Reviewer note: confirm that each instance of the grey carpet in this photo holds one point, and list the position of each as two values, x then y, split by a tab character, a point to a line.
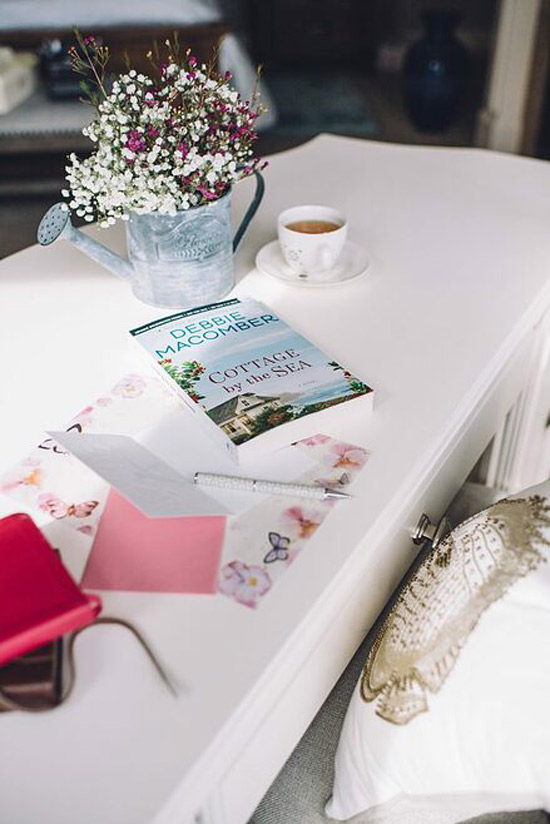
309	102
303	785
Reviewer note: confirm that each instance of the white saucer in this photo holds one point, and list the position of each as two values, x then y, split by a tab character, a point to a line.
352	263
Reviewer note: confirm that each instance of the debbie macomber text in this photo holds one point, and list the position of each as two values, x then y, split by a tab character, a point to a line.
193	334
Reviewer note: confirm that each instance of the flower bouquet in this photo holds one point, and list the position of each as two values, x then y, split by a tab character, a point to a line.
168	147
165	142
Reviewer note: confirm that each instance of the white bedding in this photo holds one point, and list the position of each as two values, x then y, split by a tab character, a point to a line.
38	14
482	743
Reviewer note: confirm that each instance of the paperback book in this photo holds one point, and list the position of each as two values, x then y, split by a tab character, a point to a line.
250	377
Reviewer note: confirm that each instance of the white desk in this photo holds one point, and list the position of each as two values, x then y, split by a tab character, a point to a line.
443	327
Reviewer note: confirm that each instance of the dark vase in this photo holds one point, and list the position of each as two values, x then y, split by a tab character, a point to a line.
435	72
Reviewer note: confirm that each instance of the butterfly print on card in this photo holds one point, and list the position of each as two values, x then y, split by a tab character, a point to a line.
58	509
279	548
52	446
334	481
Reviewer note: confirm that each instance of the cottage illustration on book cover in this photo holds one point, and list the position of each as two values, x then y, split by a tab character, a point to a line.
245	367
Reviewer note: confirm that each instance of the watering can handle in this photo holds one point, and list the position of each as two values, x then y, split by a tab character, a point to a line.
251	211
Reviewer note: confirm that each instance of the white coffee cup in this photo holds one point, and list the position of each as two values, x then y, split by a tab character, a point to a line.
312	255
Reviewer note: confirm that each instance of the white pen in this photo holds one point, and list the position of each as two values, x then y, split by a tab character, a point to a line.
319	493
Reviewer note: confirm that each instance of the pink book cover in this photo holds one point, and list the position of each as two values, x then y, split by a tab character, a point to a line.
141	554
39	601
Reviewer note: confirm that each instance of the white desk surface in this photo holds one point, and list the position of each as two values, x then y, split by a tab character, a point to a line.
460	270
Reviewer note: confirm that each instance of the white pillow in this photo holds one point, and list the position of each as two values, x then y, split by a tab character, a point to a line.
451	717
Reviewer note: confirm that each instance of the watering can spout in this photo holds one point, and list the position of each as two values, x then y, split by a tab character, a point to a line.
56	223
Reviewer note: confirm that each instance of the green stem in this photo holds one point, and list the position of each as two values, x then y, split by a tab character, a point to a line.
91	63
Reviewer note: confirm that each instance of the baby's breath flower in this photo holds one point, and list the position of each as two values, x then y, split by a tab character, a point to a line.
163	146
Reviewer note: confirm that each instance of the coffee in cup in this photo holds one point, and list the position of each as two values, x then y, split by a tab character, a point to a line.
312	239
313	227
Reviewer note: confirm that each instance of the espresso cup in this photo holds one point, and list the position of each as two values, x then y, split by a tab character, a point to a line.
312	239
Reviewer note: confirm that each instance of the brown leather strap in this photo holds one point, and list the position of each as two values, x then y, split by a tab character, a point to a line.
8	703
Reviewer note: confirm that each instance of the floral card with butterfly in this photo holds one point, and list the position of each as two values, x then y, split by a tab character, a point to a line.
261	544
53	481
258	544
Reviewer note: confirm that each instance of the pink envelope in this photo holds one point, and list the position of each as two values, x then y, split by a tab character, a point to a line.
141	554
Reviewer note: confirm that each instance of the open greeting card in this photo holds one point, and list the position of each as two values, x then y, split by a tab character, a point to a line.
122	470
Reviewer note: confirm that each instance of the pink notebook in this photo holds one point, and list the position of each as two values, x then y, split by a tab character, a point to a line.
39	601
141	554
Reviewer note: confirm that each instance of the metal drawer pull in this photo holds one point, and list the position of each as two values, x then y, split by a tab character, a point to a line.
426	531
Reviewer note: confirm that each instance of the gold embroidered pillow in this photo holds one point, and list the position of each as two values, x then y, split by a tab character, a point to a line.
452	699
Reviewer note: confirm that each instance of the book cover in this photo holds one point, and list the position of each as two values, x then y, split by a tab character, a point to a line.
39	601
245	370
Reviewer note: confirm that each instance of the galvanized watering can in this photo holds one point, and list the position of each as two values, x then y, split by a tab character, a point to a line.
173	261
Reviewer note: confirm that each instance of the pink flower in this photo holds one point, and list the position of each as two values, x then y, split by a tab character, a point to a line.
345	456
301	522
131	386
315	440
209	195
84	417
104	401
135	142
245	584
